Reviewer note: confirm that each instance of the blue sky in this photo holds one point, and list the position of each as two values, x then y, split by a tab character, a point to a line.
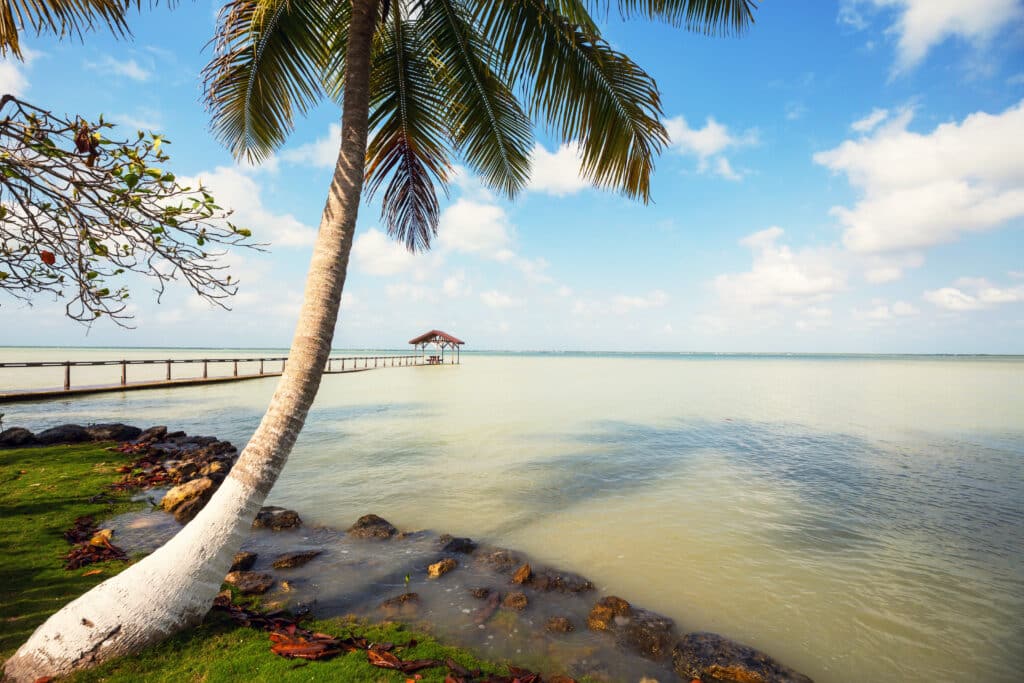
848	176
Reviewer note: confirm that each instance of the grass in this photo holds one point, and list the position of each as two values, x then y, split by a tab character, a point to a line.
42	492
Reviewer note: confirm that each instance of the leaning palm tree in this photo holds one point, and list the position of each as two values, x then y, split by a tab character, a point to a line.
427	82
60	17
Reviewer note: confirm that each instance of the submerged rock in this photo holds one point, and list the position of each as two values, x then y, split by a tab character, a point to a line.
63	434
559	625
480	593
16	437
517	601
372	526
501	560
648	633
452	544
243	560
564	582
296	559
439	569
276	519
404	605
602	616
711	656
115	431
522	575
201	489
250	583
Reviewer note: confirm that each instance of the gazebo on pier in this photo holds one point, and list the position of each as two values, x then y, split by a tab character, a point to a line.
438	341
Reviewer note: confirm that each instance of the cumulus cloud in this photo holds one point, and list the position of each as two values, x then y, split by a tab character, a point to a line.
234	189
918	190
623	303
882	311
470	226
377	254
557	173
708	144
321	153
923	24
13	79
972	294
780	276
496	299
869	122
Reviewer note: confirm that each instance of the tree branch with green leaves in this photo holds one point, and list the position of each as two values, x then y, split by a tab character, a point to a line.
79	212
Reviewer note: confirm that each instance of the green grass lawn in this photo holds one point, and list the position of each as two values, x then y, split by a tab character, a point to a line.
43	491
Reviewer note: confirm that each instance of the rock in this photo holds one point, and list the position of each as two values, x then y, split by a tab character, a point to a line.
404	605
439	569
522	575
602	616
243	561
250	583
480	593
215	467
276	518
648	633
152	434
187	511
466	546
564	582
559	625
501	560
297	559
197	488
174	435
114	431
16	437
184	471
516	601
372	526
63	434
710	656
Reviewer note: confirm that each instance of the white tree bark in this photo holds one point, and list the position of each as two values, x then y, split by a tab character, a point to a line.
174	587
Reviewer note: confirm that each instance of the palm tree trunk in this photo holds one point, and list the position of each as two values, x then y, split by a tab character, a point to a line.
174	587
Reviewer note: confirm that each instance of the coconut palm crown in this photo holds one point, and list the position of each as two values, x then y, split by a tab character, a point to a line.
453	79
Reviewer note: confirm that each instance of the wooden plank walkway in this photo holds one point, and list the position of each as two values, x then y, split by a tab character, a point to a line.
335	366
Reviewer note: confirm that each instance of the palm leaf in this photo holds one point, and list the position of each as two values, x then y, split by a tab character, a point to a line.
409	141
705	16
487	123
63	17
583	88
268	60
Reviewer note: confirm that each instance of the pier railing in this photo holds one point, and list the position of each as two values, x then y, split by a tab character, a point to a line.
267	366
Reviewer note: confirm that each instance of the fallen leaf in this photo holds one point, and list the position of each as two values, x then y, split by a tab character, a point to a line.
93	572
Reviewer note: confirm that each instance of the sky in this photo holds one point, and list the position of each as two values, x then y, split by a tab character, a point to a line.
845	177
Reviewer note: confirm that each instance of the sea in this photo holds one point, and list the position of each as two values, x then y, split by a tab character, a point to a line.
859	517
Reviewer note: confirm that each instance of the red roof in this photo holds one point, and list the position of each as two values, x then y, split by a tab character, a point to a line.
436	335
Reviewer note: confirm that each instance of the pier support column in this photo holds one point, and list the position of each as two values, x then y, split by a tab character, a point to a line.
67	376
168	371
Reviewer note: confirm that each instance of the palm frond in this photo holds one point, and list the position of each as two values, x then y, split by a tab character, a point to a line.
704	16
268	59
63	17
408	147
488	124
583	88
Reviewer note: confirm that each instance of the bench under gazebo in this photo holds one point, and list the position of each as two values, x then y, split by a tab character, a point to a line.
437	341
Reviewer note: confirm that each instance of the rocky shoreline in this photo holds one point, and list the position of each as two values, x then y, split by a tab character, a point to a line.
483	596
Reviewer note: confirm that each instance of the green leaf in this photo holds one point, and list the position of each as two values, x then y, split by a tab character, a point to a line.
131	180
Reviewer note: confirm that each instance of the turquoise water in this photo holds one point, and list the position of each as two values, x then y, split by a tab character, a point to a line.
859	517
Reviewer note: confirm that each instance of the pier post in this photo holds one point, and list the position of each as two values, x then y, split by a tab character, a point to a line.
205	375
124	373
236	369
343	365
375	361
168	371
330	362
261	366
67	376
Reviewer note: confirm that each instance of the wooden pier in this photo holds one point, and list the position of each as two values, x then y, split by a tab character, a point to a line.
267	367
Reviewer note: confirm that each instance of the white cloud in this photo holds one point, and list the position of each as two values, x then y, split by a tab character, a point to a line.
795	111
779	276
557	173
869	122
410	292
129	68
814	318
142	119
885	312
322	153
474	227
455	284
708	144
924	24
13	80
918	190
377	254
234	189
972	294
496	299
623	303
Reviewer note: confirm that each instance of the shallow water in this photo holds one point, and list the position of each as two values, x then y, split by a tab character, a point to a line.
860	518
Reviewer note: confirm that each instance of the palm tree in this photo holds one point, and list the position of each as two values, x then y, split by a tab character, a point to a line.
431	80
61	17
